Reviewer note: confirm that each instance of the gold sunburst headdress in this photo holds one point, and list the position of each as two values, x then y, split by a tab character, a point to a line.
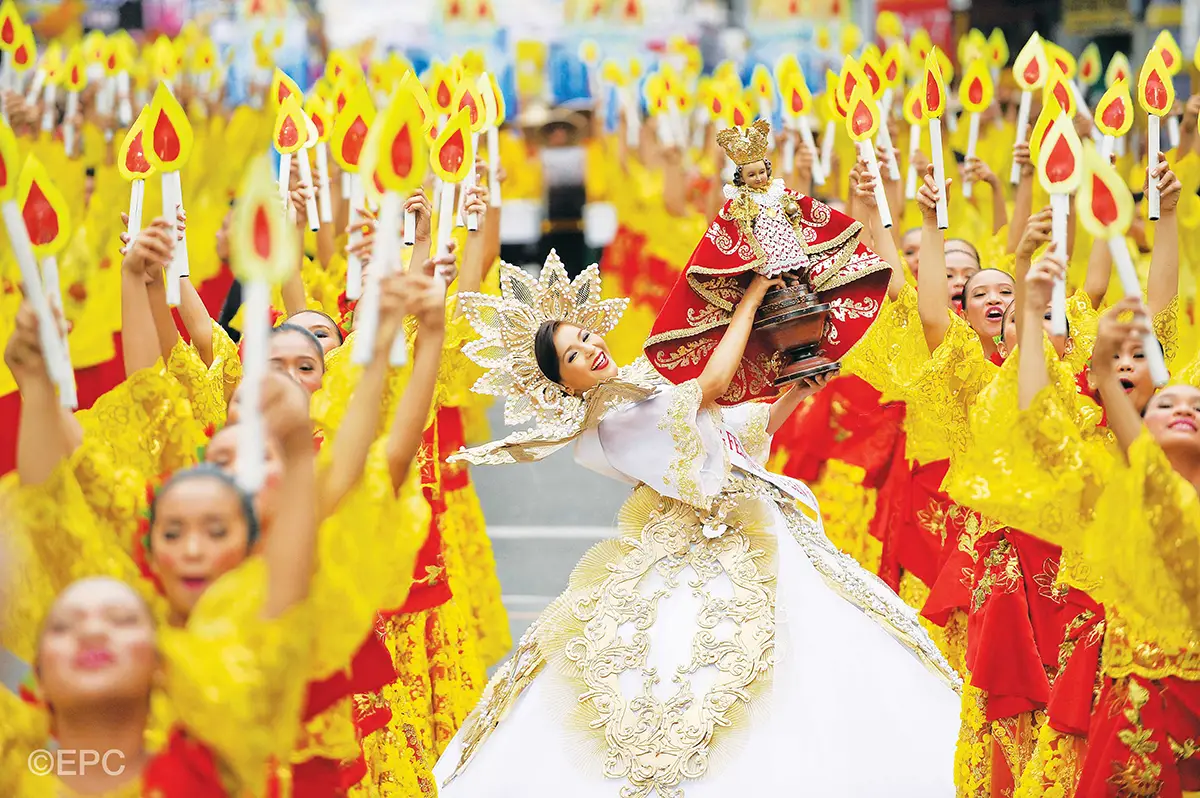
507	325
746	146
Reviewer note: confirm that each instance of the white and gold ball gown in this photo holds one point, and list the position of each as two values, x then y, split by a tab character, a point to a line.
718	644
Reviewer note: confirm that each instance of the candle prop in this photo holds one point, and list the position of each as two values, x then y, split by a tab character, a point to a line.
491	112
997	48
798	103
134	167
169	151
1118	69
1029	70
263	252
283	87
317	111
1088	70
656	97
1168	50
467	99
872	69
23	57
1114	115
835	112
493	139
350	130
892	72
47	221
52	71
912	114
849	78
451	159
1060	167
10	30
920	45
74	79
53	346
289	138
442	92
862	123
401	165
1105	208
763	89
1156	95
1058	87
311	138
976	93
933	105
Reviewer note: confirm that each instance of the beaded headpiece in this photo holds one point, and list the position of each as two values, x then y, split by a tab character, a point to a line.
507	326
745	146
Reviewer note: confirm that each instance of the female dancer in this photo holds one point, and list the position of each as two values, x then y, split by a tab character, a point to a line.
721	643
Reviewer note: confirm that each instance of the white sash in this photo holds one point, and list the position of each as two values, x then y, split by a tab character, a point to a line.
792	487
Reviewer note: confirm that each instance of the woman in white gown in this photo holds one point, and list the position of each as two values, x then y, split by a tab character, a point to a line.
719	645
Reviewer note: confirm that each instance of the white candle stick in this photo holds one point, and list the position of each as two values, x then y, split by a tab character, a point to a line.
472	218
137	192
346	184
445	218
1173	131
53	348
1152	196
354	286
939	172
493	150
181	251
68	122
676	118
366	323
124	106
310	205
884	136
172	205
633	118
827	147
324	201
1121	147
807	137
972	142
256	331
868	153
50	110
914	144
285	176
1127	275
67	396
1106	147
1060	209
35	89
410	227
666	133
1022	132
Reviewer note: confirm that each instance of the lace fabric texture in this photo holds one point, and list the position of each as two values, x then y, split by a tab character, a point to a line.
208	387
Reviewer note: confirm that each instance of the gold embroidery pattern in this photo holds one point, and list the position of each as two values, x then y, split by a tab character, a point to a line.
1048	583
1002	571
721	239
843	308
753	433
1166	329
706	315
1067	647
752	377
818	213
688	354
680	423
1139	775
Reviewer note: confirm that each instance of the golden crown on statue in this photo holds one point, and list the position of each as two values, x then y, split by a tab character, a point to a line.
748	146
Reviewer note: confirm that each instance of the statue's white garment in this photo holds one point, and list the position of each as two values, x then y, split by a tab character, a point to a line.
719	647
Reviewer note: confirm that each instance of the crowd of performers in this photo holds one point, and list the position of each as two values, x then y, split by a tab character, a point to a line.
1033	496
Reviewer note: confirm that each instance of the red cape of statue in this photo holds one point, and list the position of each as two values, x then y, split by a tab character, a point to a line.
843	272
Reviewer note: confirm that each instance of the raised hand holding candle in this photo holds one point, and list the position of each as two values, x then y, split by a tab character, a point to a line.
52	69
263	249
1114	115
317	111
912	114
170	148
893	81
1060	168
1156	94
872	68
350	130
53	346
862	123
289	138
451	159
798	106
1105	209
306	175
45	214
976	93
933	105
467	99
134	167
997	47
1029	71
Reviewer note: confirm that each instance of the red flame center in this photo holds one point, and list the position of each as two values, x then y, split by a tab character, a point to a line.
402	152
739	118
1156	91
74	75
1062	95
861	121
1086	70
21	56
341	101
848	86
8	32
872	78
1061	163
1168	58
135	157
166	138
283	93
262	233
468	101
318	123
975	91
1114	114
452	152
1104	203
40	217
797	102
892	70
443	94
3	171
1032	71
933	92
289	136
112	62
352	143
916	108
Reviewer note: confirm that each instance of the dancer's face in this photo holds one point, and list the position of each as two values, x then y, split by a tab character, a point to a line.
1010	339
1133	370
294	353
319	326
960	267
222	451
756	175
200	532
583	358
986	297
1173	419
97	643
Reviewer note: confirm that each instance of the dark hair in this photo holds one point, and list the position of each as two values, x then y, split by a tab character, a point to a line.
201	471
967	248
544	351
737	173
967	284
308	336
338	330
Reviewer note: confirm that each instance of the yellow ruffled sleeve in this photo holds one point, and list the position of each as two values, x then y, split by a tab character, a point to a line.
457	372
1084	322
208	386
1166	329
23	730
1032	469
1145	541
893	350
235	681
